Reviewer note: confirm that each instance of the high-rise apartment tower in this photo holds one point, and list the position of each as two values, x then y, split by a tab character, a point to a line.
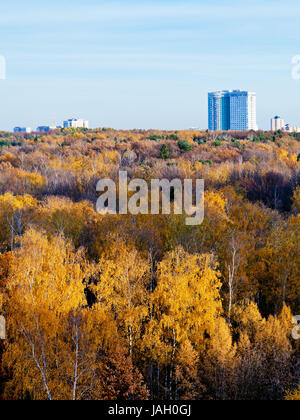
233	110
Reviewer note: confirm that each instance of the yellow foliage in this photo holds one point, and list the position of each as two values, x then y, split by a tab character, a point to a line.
52	348
121	288
296	201
34	179
294	157
15	214
186	303
293	395
283	154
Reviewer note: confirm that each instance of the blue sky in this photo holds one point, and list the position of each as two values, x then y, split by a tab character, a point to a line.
145	64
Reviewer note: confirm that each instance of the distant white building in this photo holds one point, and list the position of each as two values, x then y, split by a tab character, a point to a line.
22	130
277	123
76	123
46	128
291	129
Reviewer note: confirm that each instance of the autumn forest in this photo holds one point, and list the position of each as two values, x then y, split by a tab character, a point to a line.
123	307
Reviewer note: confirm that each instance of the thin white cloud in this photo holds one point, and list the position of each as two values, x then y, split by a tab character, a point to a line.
128	11
97	62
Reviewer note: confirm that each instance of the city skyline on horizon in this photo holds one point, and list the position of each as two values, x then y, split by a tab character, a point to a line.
231	126
145	64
